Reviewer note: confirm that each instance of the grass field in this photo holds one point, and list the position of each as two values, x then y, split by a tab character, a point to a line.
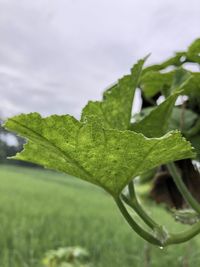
42	210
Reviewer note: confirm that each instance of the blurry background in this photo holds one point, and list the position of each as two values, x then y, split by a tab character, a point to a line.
54	57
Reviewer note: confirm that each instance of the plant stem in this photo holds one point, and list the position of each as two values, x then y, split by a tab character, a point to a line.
184	236
131	189
135	205
139	210
139	230
147	255
171	238
182	187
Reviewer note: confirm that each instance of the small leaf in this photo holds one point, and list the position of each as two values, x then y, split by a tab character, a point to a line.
151	125
156	123
193	53
153	82
177	60
180	79
182	119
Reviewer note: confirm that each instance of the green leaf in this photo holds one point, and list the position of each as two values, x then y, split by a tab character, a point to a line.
151	125
193	53
143	113
156	123
177	60
153	82
195	141
116	106
182	119
192	88
106	157
180	79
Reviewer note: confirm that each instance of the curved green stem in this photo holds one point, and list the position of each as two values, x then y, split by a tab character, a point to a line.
161	237
170	238
184	236
139	210
135	205
182	187
139	230
131	189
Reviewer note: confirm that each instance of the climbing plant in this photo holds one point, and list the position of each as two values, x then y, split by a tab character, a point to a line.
111	147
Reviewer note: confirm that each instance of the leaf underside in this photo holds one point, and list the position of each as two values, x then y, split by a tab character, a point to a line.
109	158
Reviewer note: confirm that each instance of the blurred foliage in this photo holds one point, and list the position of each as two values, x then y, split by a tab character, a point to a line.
159	82
67	257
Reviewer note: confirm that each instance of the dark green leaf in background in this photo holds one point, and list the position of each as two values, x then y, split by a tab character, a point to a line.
156	123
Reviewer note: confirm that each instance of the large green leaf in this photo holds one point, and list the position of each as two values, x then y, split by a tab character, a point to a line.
107	157
116	106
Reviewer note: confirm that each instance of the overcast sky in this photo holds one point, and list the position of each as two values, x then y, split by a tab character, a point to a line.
55	55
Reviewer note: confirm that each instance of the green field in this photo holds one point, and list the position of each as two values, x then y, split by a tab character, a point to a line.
42	210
